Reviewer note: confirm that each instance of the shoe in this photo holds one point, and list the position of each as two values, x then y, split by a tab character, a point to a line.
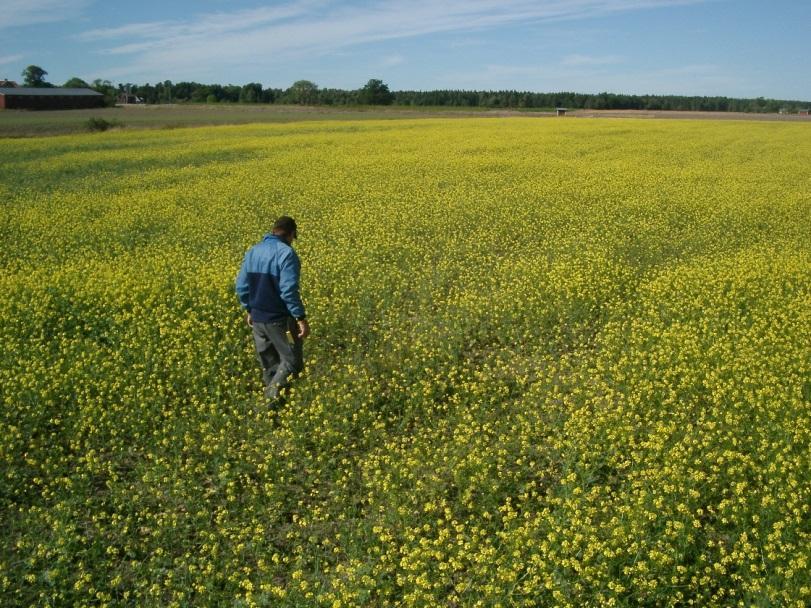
275	398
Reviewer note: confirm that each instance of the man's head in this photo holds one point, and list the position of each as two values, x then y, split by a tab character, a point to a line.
285	227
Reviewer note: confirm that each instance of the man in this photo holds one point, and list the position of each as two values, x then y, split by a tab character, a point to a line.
268	289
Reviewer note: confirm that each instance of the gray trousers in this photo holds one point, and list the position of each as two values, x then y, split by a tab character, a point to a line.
279	351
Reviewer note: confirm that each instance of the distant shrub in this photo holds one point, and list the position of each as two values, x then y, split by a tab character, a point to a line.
102	124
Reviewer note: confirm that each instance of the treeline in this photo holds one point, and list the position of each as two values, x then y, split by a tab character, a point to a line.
302	92
375	92
599	101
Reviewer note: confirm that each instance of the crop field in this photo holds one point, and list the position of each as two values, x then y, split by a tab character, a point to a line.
553	363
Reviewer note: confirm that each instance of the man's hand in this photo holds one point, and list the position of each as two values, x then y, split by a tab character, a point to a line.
303	329
248	320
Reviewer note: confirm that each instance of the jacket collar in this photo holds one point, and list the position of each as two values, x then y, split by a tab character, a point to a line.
270	236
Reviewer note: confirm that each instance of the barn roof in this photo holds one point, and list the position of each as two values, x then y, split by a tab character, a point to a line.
47	91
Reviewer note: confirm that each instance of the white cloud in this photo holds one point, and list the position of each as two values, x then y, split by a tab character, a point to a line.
591	60
9	59
214	42
210	24
392	60
15	13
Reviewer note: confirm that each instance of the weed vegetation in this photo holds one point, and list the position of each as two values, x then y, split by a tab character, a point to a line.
95	123
553	363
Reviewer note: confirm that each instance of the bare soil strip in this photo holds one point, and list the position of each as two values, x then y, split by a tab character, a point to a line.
20	123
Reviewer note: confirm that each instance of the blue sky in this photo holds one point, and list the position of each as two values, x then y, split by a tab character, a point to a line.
737	48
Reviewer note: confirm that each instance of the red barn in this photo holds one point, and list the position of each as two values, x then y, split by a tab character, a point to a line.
48	98
803	112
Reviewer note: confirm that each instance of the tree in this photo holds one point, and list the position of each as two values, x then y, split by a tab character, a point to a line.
147	93
200	93
102	86
34	76
375	92
270	95
106	88
182	91
303	92
231	92
165	95
251	93
76	83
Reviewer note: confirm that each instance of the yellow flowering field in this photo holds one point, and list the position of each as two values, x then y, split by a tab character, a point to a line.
553	363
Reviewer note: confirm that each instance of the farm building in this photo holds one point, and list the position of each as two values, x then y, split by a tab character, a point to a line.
560	111
51	98
128	98
803	112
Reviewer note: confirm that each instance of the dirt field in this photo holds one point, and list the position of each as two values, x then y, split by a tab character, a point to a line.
20	123
688	115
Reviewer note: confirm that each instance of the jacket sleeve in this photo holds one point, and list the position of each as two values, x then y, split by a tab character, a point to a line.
289	273
242	289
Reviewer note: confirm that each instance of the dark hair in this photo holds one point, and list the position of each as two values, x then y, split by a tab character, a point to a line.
285	225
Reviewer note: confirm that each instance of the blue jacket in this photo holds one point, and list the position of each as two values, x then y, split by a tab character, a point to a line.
268	281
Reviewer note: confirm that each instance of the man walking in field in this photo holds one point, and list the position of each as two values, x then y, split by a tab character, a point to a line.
268	289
